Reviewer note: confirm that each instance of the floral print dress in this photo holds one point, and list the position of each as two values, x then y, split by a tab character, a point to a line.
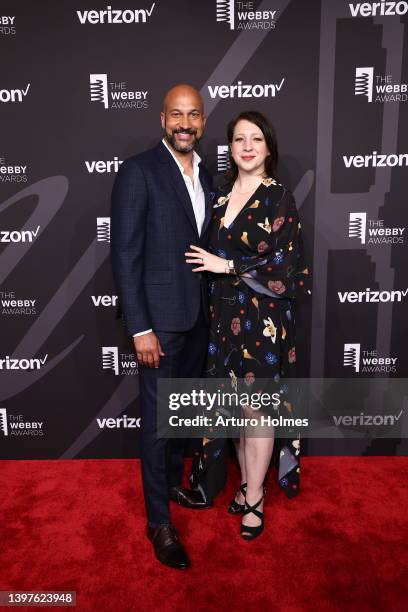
252	317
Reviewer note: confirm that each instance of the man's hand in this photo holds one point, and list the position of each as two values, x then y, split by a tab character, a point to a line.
148	350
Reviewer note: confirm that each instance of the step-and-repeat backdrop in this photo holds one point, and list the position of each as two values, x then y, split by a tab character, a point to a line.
81	87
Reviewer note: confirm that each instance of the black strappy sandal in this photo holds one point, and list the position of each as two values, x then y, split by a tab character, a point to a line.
235	507
248	532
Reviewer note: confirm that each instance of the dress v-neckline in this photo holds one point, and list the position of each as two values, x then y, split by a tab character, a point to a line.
227	199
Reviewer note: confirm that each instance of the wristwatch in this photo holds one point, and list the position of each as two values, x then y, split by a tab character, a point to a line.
230	266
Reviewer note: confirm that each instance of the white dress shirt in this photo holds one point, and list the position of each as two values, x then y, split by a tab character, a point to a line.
196	193
195	190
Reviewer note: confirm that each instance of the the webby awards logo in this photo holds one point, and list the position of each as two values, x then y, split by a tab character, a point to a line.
121	364
12	172
245	16
116	94
3	421
222	158
18	426
378	88
103	229
12	303
367	361
7	25
373	231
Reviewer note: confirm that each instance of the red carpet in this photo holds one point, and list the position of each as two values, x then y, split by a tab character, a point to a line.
79	525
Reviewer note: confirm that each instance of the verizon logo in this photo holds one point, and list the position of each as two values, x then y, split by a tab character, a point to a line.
123	422
17	236
371	296
367	419
376	160
115	15
102	167
8	363
104	300
13	95
367	9
241	90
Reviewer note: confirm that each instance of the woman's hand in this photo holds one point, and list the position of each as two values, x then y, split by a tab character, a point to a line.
206	261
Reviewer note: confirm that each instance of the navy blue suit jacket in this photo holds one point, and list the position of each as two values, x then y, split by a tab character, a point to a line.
152	226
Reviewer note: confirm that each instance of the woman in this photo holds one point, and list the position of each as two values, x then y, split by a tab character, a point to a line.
256	264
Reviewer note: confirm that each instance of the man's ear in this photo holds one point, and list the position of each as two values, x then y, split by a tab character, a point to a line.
162	120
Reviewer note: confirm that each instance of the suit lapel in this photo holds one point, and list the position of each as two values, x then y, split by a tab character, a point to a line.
178	183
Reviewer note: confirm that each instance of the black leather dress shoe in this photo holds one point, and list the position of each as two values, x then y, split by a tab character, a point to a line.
167	547
188	498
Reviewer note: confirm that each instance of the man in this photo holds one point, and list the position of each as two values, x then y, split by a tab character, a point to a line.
160	206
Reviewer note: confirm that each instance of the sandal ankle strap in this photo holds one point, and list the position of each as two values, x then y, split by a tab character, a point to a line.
253	509
242	488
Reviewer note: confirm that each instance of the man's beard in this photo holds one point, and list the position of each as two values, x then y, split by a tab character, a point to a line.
170	137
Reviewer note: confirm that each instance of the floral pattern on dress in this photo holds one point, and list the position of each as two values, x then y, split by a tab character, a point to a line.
252	321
